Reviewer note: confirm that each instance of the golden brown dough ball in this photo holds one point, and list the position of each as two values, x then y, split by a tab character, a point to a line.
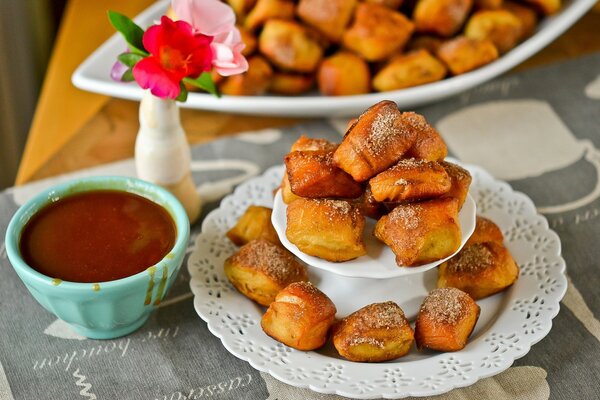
463	54
441	17
291	84
480	270
265	10
409	180
288	45
313	174
344	74
407	70
300	317
260	269
255	223
501	27
485	231
461	181
377	140
369	206
255	81
428	144
446	320
375	333
419	233
377	32
526	15
328	229
330	17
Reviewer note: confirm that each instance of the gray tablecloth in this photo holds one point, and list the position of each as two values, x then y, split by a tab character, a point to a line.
539	130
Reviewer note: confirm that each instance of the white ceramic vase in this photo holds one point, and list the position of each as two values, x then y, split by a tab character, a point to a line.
162	153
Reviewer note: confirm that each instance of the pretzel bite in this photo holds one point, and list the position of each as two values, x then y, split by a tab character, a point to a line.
375	142
328	229
377	332
485	231
291	84
481	270
428	144
265	10
463	54
526	15
446	320
441	17
304	143
313	174
393	4
343	74
329	17
419	233
252	82
369	206
260	269
412	69
410	179
254	224
461	181
501	27
300	317
289	46
377	32
546	7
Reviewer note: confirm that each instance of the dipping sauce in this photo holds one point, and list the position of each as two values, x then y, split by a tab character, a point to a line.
97	236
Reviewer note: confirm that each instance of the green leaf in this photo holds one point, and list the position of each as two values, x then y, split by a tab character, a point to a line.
127	76
204	82
183	94
130	30
129	59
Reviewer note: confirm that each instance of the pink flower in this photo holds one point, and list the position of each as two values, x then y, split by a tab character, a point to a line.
214	18
176	52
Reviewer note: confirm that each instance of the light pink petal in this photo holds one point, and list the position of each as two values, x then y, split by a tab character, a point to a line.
237	65
149	74
209	17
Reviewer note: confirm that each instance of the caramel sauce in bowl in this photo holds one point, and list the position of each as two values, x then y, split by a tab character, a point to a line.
100	253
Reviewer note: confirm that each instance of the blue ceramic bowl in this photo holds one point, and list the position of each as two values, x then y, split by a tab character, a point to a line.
102	310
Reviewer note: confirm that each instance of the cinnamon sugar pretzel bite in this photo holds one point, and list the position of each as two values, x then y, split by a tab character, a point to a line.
344	74
376	141
375	333
411	69
480	270
264	10
446	320
410	179
461	181
255	223
463	54
485	231
369	206
328	229
313	174
289	46
252	82
526	15
428	144
260	269
300	316
419	233
441	17
501	27
291	84
377	32
330	17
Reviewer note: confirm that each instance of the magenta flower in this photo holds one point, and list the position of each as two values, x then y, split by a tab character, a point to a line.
176	52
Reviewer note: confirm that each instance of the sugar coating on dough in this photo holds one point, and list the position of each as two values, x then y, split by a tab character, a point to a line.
446	305
471	259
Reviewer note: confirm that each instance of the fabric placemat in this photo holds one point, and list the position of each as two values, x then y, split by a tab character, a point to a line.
539	130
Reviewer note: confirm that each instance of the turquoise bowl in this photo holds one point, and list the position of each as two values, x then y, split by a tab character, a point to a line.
102	310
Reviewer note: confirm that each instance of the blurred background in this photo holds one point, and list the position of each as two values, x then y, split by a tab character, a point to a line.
27	32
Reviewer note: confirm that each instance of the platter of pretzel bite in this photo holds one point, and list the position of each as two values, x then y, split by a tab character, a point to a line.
488	293
338	57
